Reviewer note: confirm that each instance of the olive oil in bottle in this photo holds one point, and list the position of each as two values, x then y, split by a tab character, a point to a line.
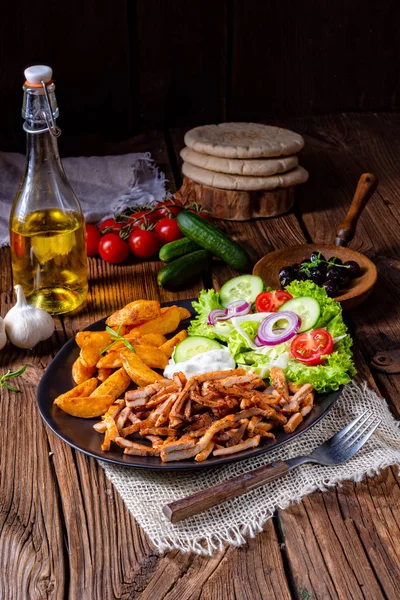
47	230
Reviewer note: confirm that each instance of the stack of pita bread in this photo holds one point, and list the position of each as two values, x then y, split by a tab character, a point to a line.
243	156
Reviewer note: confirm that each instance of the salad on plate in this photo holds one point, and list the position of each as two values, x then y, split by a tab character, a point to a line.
299	330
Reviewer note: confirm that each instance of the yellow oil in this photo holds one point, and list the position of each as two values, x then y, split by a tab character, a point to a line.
49	259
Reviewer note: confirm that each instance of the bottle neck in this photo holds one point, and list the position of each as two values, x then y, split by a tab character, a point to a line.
42	151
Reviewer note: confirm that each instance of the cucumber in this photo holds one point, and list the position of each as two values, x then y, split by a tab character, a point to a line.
244	287
179	272
176	249
193	345
202	232
307	308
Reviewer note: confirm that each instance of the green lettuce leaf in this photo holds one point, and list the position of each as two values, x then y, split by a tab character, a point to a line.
208	301
237	343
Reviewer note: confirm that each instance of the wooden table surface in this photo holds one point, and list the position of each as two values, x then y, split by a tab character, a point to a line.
65	533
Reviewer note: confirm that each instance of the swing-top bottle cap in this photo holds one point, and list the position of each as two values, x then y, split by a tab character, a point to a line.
38	73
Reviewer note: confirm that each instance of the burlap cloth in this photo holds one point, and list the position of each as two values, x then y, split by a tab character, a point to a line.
146	492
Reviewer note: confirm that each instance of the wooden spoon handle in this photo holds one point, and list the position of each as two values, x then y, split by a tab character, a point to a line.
366	186
201	501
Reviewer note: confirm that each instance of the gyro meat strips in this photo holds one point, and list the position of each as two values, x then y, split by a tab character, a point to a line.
219	413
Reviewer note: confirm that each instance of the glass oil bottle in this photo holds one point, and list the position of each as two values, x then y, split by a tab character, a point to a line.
47	229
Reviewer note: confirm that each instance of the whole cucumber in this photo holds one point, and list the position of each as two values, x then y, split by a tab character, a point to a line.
181	271
211	238
176	249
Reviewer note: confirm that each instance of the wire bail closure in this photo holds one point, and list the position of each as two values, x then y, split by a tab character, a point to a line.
50	122
48	117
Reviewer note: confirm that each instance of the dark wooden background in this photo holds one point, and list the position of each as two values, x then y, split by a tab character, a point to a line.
123	66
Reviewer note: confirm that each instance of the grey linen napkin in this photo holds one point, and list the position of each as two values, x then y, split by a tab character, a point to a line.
104	185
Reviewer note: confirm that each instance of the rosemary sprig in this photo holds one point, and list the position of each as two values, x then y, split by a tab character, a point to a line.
118	338
10	375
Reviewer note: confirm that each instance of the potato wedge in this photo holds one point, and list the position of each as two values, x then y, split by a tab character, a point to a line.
169	345
85	407
111	360
183	312
137	370
149	339
153	339
83	389
113	386
103	373
166	323
84	337
80	372
151	356
91	351
135	313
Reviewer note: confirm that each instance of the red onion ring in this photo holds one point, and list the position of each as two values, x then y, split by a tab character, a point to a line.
269	337
276	331
238	308
218	314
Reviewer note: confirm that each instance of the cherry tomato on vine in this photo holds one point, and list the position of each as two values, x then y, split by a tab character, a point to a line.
168	230
110	223
93	238
310	346
143	217
168	208
144	243
113	249
271	301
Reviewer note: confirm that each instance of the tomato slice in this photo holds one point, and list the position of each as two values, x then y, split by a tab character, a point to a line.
272	301
310	346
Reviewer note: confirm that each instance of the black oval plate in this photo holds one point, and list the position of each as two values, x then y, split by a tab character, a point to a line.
79	433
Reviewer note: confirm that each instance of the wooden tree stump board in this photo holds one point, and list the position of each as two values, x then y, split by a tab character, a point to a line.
236	205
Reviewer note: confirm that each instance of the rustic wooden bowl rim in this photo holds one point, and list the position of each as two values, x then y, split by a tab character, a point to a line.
362	285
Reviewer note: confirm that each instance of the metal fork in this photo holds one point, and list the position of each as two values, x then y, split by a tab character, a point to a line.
339	448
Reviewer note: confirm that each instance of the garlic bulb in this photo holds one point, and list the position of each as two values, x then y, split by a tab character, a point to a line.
27	325
3	336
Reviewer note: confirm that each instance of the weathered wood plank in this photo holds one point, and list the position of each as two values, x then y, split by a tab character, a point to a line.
31	520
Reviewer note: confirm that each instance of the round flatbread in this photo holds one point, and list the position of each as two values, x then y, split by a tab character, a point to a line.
242	182
243	140
240	166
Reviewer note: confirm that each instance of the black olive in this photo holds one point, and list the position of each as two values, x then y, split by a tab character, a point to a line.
335	260
344	279
295	268
317	256
285	272
331	288
316	275
284	281
353	269
333	273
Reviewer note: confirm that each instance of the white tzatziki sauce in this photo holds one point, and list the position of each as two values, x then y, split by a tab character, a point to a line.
213	360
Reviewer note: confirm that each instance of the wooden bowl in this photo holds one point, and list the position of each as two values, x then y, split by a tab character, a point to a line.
359	289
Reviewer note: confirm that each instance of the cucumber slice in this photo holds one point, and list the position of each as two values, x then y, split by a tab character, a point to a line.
193	345
244	287
307	308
